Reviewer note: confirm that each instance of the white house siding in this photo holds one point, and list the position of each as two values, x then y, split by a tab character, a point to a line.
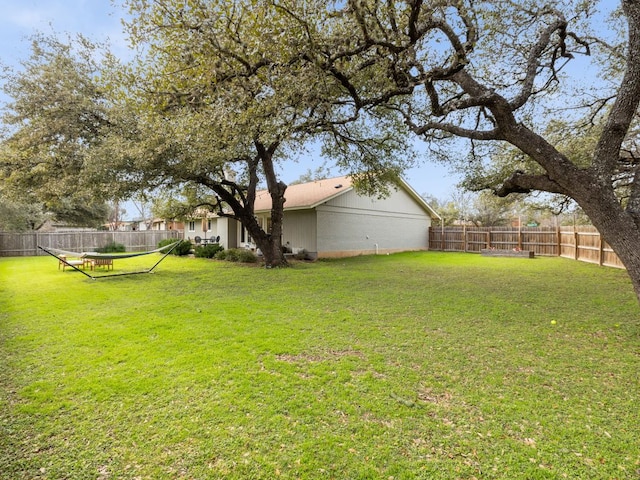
198	230
398	201
351	224
223	227
299	230
222	230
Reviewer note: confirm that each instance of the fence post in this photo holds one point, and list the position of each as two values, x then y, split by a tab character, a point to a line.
464	237
519	235
559	238
576	254
601	258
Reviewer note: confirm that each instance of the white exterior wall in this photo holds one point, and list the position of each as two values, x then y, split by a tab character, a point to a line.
218	226
351	225
299	229
198	231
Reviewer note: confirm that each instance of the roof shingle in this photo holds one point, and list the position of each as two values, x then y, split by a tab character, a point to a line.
306	195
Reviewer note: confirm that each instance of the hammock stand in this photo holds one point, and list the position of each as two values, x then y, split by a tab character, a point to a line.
107	256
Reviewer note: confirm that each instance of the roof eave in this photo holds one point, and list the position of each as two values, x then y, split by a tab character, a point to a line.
421	201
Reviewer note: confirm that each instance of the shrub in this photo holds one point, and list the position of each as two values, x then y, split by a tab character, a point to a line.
233	255
237	255
184	248
247	256
208	251
112	247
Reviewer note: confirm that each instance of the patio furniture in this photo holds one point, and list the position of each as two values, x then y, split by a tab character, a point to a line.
104	259
101	262
65	262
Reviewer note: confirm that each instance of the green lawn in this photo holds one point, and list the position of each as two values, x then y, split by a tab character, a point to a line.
419	365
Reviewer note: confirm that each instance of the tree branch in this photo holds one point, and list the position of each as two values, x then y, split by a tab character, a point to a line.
626	104
534	60
520	182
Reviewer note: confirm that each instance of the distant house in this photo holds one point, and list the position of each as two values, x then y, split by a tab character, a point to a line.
119	226
50	226
155	224
328	218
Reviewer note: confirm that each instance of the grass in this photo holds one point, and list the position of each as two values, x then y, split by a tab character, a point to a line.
417	365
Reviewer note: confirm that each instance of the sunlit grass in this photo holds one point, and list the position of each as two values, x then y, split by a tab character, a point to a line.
418	365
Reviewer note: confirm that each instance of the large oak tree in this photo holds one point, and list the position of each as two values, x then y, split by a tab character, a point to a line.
55	116
499	72
232	95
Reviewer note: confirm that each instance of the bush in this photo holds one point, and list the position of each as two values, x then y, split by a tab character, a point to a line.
165	242
232	255
237	255
247	256
184	248
112	247
208	251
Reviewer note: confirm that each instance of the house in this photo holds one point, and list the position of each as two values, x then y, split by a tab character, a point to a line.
328	218
157	224
207	226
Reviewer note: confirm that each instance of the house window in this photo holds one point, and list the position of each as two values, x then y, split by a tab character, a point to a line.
192	226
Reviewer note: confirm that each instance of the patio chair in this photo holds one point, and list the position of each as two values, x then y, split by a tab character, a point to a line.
62	260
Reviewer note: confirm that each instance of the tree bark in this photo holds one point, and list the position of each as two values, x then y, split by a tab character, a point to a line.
620	231
591	188
271	242
241	201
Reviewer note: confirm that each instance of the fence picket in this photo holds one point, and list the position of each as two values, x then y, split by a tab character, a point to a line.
582	243
26	244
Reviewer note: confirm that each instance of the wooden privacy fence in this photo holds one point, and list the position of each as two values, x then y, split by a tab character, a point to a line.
26	244
581	243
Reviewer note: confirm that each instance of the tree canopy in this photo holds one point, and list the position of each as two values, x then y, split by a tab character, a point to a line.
494	73
56	118
233	105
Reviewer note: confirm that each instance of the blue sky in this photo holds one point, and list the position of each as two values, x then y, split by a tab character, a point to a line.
100	20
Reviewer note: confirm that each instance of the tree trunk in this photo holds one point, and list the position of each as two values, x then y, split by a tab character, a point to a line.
272	241
270	245
269	242
624	242
276	256
618	229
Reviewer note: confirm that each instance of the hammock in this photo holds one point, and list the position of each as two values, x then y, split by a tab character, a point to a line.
56	252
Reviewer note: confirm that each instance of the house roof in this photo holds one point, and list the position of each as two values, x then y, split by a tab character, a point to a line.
306	195
309	195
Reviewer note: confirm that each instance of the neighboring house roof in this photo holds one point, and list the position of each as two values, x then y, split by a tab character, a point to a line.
309	195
